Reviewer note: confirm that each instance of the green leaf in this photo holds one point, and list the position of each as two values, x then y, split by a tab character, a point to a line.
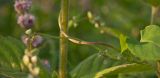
151	34
12	73
148	48
123	42
125	68
88	67
11	51
145	51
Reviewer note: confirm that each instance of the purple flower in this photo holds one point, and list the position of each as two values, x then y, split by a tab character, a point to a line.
37	41
25	39
26	21
22	6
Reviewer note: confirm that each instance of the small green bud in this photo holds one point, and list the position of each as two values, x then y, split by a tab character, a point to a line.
89	14
29	32
75	24
34	51
70	23
96	25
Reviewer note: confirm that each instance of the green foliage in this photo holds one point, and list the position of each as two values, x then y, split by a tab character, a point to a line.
151	34
153	2
123	42
90	66
125	68
11	51
145	51
148	47
138	53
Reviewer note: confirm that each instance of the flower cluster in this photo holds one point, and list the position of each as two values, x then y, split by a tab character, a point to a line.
25	20
22	6
32	41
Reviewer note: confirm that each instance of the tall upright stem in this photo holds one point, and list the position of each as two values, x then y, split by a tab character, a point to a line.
153	13
158	69
154	10
63	24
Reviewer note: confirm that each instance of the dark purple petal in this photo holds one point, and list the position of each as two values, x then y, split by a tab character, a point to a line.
26	21
22	6
37	41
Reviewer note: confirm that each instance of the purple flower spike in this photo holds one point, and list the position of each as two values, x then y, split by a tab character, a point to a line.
37	41
22	6
26	21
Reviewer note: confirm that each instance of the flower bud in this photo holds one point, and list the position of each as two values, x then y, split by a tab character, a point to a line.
34	59
90	16
22	6
25	39
37	41
26	21
30	76
35	71
30	66
26	60
28	32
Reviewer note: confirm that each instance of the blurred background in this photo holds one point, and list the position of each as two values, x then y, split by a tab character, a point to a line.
126	16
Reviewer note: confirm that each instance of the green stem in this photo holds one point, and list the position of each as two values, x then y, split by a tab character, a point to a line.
153	13
158	69
63	24
154	10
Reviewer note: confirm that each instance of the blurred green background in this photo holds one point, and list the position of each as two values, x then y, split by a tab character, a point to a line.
126	16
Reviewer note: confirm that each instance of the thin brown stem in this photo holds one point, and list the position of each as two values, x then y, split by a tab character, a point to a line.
77	41
81	42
